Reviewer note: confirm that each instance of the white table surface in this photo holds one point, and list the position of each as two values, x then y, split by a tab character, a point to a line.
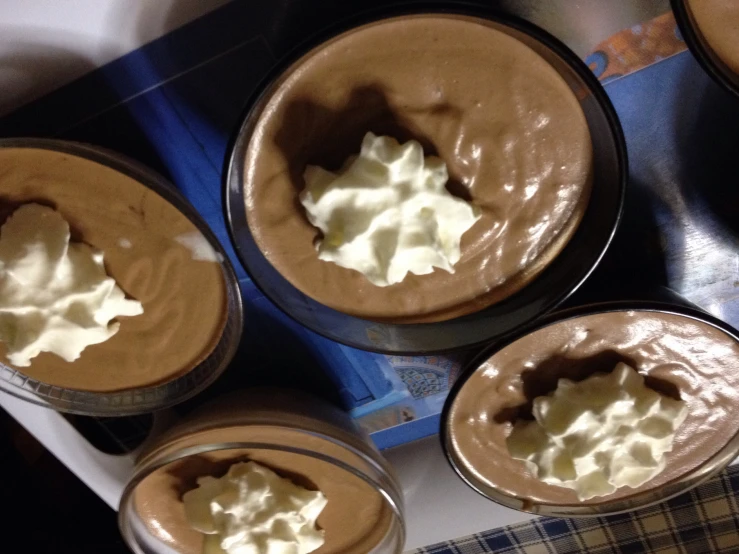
45	44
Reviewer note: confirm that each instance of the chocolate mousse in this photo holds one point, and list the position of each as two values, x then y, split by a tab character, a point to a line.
299	437
718	23
503	120
355	520
679	356
153	252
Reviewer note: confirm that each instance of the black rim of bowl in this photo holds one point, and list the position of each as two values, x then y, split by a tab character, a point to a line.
621	505
701	52
238	143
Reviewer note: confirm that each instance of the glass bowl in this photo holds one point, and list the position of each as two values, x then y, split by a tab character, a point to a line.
702	51
144	399
563	276
274	418
622	500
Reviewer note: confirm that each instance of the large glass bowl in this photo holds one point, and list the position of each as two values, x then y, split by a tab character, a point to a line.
701	49
691	478
335	439
145	399
563	276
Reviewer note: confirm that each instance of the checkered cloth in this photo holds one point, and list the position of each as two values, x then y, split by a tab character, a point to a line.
703	520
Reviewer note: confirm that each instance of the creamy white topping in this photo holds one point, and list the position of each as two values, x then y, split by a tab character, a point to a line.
55	295
387	212
252	510
595	436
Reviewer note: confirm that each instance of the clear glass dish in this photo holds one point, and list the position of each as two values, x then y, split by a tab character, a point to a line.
624	502
334	438
555	284
146	399
701	49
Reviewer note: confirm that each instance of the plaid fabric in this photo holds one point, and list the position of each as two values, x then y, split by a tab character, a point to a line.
701	521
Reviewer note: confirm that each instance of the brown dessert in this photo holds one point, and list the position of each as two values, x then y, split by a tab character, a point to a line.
329	453
505	122
147	244
684	358
355	520
718	23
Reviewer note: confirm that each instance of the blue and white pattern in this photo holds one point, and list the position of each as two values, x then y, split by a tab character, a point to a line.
426	375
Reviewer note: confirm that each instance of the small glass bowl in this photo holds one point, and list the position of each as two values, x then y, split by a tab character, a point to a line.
145	399
552	287
683	483
342	444
702	51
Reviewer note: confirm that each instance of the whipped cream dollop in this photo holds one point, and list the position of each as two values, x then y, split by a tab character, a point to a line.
252	510
387	212
595	436
55	295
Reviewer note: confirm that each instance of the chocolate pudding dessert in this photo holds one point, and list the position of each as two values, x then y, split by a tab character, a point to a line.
717	21
680	357
355	520
298	437
506	124
155	254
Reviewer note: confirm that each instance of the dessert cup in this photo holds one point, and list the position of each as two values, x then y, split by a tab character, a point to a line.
295	434
682	351
699	44
553	282
190	342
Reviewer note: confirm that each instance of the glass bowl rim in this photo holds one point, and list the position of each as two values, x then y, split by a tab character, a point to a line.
124	402
392	498
701	473
707	59
238	144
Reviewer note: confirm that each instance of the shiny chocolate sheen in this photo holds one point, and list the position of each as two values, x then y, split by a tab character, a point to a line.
184	299
509	128
682	357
